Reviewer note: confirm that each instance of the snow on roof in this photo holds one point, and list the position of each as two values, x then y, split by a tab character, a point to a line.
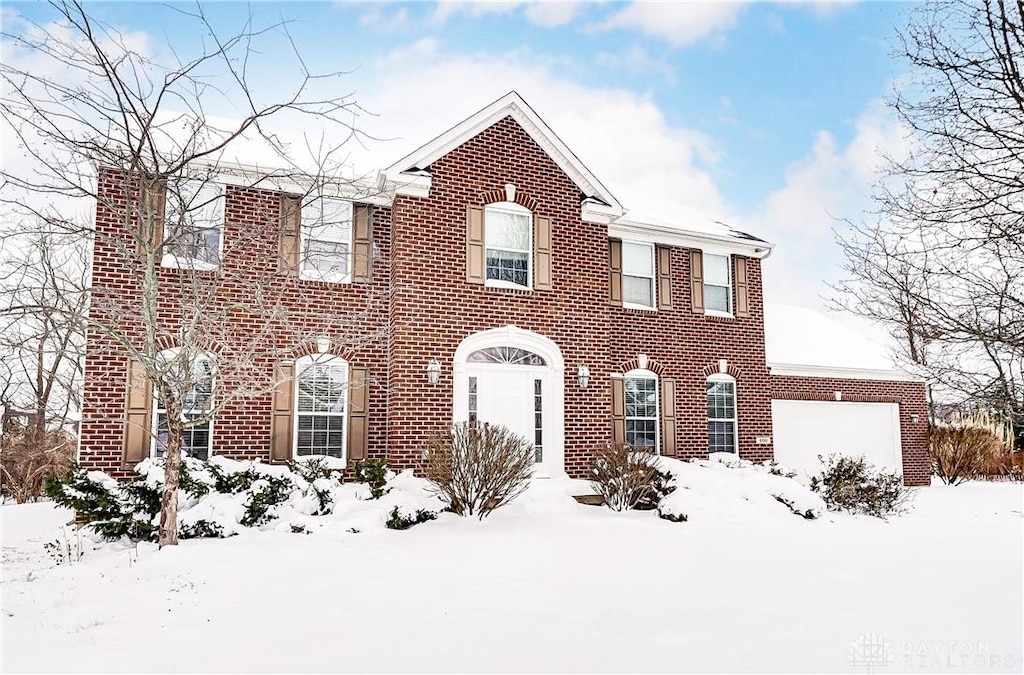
800	336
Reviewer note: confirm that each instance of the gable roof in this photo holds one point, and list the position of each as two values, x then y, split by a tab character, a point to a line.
511	105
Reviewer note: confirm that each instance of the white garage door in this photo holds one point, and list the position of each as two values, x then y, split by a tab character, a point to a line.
803	430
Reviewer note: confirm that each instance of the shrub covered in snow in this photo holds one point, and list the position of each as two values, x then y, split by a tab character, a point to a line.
375	473
853	484
400	519
625	477
222	497
728	487
478	468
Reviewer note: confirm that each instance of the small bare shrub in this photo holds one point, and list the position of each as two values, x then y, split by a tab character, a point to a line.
28	456
969	447
624	476
478	467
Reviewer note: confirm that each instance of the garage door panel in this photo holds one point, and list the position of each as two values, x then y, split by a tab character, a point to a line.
803	430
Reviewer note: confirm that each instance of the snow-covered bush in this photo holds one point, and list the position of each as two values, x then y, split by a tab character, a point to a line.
478	468
400	519
853	484
375	473
625	477
221	497
727	487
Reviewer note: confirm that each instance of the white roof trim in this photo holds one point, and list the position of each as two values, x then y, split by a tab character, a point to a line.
510	105
672	236
801	370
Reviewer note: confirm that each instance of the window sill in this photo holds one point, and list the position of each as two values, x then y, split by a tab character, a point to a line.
505	285
174	262
642	308
326	278
720	315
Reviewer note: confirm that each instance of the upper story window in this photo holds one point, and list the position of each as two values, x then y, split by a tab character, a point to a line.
508	237
641	414
193	225
326	239
321	405
721	414
638	275
196	378
717	284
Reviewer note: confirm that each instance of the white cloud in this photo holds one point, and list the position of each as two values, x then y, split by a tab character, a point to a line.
652	166
636	62
545	14
679	23
551	14
831	183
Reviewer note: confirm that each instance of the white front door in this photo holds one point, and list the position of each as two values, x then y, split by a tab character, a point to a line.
512	396
515	378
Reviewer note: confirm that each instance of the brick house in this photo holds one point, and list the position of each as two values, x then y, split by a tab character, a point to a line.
517	290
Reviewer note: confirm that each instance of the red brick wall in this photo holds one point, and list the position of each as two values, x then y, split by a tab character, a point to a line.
247	277
909	395
434	314
419	306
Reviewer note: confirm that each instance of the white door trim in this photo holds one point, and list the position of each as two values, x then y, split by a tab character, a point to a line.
553	385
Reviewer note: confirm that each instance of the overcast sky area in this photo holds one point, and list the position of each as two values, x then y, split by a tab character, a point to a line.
766	116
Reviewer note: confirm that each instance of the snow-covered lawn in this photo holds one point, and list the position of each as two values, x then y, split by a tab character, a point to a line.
543	585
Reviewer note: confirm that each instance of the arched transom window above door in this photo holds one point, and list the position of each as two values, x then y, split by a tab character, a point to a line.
511	355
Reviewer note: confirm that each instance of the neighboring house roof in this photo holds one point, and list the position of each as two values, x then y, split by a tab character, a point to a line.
415	164
804	342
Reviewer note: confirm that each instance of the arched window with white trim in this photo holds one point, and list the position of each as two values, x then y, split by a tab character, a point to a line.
197	375
321	403
721	414
641	414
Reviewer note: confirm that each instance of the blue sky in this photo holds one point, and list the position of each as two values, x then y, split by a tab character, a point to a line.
765	115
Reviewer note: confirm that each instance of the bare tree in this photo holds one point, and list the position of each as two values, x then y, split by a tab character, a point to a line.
943	265
130	131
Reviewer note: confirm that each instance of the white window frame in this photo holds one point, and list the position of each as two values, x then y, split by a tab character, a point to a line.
653	277
210	212
719	377
728	287
642	374
155	443
519	210
306	223
301	366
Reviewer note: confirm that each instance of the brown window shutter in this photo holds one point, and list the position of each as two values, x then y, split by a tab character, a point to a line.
138	422
696	282
541	253
668	416
742	286
358	412
282	420
615	272
664	277
618	410
474	245
154	196
288	236
362	243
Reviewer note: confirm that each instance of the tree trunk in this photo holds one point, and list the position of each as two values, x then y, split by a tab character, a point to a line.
172	475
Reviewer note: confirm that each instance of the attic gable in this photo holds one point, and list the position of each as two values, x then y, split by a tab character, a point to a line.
410	174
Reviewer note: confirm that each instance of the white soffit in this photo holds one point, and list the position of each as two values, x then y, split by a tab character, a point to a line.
510	105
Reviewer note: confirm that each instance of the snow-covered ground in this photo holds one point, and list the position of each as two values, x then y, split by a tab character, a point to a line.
542	585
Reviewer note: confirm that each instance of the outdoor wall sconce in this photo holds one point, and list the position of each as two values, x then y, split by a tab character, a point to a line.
583	376
915	418
433	372
323	344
